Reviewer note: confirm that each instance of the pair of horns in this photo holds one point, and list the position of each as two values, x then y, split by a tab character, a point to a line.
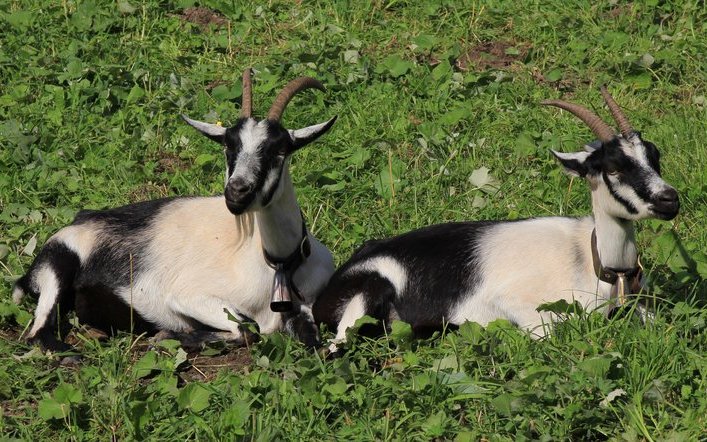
283	98
602	130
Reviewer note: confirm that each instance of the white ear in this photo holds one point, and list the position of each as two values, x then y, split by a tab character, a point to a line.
594	145
213	131
574	162
306	135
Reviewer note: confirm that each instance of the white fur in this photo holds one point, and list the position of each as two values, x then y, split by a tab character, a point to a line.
248	159
388	268
80	239
527	263
308	131
354	310
45	282
207	128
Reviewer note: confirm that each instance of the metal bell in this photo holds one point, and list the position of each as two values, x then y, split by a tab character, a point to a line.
281	300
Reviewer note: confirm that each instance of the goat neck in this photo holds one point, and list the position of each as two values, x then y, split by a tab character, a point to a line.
616	239
280	222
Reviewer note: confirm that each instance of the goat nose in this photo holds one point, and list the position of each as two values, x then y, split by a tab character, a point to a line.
239	187
668	196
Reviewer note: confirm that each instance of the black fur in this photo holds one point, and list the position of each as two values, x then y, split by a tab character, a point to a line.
89	289
64	263
437	288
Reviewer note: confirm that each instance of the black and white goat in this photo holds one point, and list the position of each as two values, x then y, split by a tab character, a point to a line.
184	265
482	271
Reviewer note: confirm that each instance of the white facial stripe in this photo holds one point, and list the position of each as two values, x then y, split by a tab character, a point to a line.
248	160
387	267
637	150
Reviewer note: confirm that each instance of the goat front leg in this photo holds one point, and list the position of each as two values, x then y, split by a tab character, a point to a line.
213	313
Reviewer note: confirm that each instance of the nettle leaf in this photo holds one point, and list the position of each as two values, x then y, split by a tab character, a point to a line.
484	181
223	92
30	246
561	307
51	409
358	157
20	19
641	81
507	404
205	158
596	366
524	145
335	386
401	332
442	71
434	425
445	363
452	117
394	65
136	92
425	41
68	394
351	56
145	365
236	417
180	357
388	181
194	397
553	75
461	384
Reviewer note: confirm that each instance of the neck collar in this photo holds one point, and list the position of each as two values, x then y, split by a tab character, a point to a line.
283	285
623	280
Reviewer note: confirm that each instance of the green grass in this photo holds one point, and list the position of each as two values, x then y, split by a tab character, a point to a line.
90	97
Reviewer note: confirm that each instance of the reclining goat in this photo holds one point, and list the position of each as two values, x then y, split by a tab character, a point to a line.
184	265
482	271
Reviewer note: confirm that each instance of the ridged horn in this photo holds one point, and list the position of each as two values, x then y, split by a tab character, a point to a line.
602	130
617	113
289	91
247	107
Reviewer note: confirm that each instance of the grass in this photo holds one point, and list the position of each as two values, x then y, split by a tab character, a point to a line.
427	94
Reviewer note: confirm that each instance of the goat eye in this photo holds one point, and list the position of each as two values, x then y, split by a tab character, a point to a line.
613	173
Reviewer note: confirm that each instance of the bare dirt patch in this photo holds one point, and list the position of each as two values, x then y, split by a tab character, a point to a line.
203	17
205	368
492	55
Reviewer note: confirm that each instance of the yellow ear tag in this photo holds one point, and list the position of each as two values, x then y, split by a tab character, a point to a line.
218	123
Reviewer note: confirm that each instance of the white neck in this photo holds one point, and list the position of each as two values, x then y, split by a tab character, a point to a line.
616	241
280	223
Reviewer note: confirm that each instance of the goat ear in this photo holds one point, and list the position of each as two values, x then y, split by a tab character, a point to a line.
575	163
304	136
213	131
594	145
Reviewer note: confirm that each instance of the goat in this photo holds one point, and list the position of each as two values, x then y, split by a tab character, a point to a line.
187	266
487	270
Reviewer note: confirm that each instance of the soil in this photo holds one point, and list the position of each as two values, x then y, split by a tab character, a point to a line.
203	17
491	55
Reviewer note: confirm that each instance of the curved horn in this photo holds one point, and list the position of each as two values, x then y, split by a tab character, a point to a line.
602	130
247	107
289	91
617	113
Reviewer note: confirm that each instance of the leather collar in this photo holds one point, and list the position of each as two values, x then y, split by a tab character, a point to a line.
623	281
283	284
